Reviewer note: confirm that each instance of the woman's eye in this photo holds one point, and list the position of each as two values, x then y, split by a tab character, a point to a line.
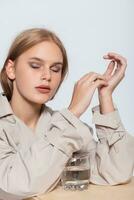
34	65
56	69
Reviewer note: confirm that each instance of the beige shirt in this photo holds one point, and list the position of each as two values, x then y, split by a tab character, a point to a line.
31	163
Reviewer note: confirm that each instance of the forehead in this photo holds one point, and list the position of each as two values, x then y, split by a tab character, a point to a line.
46	50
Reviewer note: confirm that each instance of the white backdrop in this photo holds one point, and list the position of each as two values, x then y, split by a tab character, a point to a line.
88	29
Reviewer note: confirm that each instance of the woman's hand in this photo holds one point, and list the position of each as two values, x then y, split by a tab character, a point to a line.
83	92
114	73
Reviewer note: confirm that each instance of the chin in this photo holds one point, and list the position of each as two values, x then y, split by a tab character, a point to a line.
40	100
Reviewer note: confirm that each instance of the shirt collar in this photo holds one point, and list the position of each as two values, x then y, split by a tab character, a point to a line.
5	108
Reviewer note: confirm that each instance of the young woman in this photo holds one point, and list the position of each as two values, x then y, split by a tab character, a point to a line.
35	141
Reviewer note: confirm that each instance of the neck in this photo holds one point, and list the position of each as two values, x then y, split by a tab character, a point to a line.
29	113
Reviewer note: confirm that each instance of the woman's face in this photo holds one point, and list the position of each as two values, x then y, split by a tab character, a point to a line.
36	70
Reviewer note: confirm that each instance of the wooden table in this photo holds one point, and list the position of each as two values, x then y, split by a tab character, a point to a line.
94	192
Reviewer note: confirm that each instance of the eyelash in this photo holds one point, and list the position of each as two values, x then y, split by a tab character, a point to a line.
36	66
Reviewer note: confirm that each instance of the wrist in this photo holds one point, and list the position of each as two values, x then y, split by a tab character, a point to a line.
106	104
74	111
105	95
105	98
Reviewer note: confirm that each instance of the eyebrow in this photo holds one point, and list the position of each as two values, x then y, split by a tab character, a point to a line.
41	60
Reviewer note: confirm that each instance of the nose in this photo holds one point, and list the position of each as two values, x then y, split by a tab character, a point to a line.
46	74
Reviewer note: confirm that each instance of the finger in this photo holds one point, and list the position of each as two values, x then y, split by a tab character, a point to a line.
95	77
112	54
118	71
99	83
121	64
83	78
116	57
110	68
91	77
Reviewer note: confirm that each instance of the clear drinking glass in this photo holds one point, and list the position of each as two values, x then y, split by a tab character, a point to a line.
76	175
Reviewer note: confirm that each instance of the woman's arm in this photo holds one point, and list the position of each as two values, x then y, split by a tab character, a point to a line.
113	160
30	165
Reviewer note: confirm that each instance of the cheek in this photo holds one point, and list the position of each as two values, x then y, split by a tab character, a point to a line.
56	80
23	78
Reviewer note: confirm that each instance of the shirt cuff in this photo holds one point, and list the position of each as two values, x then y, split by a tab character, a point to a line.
83	129
68	115
111	119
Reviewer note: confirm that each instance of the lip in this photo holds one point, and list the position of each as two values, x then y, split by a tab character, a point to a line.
43	86
43	89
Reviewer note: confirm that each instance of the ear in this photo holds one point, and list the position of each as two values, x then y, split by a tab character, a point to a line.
10	69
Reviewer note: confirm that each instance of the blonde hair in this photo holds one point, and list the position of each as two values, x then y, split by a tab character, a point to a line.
24	41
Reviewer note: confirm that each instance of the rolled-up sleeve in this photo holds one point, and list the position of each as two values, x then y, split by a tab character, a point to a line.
73	129
108	126
113	161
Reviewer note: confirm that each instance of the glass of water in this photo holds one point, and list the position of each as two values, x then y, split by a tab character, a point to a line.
76	175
